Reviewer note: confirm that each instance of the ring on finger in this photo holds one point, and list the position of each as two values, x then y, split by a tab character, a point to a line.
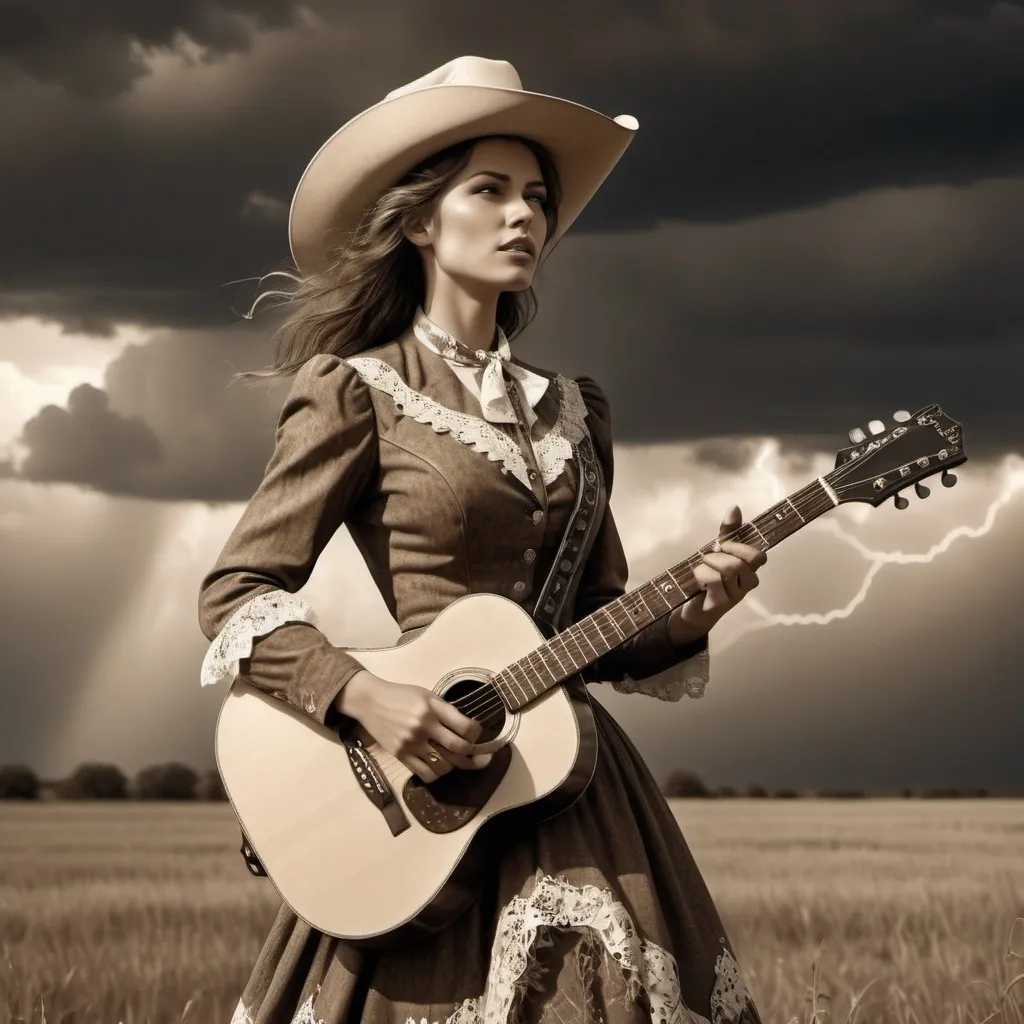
434	757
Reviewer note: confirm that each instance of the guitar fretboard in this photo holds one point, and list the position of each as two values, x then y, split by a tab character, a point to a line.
584	642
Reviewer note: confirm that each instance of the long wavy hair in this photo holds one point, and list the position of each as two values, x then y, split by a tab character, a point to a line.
368	293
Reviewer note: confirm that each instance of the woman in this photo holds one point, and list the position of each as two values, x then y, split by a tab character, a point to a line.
418	227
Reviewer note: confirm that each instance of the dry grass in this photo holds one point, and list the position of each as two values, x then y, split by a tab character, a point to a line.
134	913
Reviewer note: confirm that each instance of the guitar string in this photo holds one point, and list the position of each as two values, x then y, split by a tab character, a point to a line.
486	691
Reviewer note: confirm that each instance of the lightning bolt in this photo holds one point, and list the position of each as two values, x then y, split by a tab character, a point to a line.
1012	484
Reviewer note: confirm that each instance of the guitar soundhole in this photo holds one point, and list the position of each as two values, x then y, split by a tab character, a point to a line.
478	700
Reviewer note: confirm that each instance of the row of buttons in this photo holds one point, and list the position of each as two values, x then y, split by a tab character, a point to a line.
529	555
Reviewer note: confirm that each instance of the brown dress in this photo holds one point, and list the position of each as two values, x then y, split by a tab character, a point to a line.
598	914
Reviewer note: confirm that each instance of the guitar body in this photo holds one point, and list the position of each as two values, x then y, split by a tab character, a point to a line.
380	877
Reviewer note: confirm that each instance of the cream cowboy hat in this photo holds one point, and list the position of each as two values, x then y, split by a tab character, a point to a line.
466	97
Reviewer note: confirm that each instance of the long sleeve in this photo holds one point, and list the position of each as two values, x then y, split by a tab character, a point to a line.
325	454
651	651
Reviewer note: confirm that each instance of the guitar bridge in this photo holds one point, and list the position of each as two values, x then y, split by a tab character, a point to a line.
375	785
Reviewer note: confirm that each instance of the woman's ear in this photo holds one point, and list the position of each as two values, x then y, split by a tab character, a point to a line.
417	230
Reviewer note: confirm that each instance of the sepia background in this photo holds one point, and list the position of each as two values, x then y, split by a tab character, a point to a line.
818	223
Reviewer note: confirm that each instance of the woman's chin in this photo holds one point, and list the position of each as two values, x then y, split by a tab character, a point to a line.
500	283
517	282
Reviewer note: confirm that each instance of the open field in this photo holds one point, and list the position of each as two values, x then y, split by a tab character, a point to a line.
127	912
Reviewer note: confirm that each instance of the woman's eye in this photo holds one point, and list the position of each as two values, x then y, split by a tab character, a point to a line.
541	199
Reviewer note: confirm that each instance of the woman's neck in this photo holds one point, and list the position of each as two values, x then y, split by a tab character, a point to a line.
465	318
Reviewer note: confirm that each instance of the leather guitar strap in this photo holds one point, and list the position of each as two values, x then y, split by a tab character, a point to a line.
555	601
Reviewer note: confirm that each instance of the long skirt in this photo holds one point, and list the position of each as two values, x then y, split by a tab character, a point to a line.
596	915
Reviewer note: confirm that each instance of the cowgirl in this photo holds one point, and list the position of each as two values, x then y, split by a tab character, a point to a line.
417	229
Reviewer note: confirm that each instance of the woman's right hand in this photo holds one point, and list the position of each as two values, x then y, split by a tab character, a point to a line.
410	722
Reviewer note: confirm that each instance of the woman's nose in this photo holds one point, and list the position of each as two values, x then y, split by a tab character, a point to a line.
522	211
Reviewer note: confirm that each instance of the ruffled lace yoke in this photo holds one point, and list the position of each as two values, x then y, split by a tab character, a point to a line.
551	450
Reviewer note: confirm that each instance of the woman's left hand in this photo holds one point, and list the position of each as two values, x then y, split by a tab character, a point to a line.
728	575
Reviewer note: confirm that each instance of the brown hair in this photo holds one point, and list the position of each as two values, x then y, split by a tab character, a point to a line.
369	292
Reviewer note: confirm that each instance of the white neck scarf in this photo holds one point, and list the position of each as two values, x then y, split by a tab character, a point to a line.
485	370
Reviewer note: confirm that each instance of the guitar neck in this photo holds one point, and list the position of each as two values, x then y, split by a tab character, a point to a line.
584	642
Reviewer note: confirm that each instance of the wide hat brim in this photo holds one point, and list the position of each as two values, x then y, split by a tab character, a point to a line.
379	146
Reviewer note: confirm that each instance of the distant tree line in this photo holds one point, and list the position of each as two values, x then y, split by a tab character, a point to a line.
688	784
97	781
175	781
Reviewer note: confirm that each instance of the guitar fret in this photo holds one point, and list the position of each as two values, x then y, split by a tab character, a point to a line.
600	633
583	633
796	510
565	652
515	681
610	615
538	655
554	653
679	586
573	630
659	590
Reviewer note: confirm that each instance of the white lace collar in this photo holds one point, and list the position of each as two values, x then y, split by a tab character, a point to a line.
551	451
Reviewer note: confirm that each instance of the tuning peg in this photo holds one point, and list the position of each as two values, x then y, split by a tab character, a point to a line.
876	427
857	435
900	502
901	416
922	491
948	479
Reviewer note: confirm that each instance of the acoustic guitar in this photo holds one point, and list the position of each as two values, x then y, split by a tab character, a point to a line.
362	849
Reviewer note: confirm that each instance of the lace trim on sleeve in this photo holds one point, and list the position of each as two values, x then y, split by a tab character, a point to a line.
551	451
259	616
689	678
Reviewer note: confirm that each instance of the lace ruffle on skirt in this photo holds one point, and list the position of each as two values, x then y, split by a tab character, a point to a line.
259	616
600	917
689	678
551	450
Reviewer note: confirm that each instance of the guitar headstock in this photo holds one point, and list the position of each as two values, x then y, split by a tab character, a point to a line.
919	446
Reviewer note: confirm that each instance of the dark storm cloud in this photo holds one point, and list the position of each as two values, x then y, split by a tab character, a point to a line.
87	443
165	425
88	47
142	207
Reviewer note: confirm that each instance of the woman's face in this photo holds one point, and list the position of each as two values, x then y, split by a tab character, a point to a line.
497	197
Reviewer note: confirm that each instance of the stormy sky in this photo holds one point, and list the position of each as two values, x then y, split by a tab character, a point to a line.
818	223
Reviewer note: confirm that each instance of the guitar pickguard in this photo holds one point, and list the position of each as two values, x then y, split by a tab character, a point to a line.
455	798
